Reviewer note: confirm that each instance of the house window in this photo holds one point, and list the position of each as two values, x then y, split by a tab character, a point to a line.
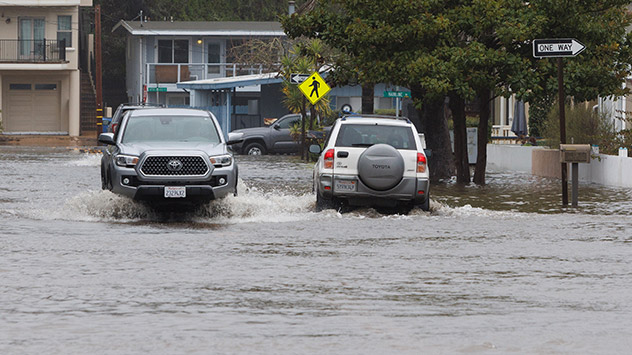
31	36
19	86
64	29
45	86
214	57
173	51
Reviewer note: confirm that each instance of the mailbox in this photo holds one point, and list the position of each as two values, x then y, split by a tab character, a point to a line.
575	153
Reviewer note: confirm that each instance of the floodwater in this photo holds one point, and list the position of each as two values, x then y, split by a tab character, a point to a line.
495	269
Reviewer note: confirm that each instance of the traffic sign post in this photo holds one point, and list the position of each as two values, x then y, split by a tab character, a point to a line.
298	78
314	88
559	48
398	95
157	89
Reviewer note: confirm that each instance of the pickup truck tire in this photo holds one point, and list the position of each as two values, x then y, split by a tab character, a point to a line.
381	167
103	182
254	148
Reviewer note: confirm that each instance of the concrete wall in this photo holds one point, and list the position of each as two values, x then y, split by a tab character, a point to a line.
603	169
510	157
608	170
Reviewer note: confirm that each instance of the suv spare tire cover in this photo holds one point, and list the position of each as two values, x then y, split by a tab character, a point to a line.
381	167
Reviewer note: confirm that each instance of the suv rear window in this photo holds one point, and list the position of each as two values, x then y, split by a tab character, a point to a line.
399	137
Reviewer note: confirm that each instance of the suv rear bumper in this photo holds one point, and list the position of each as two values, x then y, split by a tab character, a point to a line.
408	189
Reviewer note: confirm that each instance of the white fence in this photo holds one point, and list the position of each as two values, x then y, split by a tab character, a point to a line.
603	169
510	157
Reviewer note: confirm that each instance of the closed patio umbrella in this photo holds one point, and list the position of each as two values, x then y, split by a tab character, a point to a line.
519	125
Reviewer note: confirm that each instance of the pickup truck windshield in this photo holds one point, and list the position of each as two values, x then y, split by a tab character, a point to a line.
355	135
170	129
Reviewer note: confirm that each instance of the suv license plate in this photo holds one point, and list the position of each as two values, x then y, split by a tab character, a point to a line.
344	185
175	191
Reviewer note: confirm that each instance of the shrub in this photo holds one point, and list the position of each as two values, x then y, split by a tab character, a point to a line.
583	126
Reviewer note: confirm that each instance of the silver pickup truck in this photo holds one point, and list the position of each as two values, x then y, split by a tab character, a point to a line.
168	156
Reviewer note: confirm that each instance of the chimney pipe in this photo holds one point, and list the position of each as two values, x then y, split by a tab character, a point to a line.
292	7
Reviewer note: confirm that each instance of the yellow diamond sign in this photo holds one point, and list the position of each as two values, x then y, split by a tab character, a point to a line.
314	88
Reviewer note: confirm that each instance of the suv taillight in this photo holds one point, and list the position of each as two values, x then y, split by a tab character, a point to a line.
114	127
421	163
329	159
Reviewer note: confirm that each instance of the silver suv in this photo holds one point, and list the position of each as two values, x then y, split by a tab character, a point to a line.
168	155
372	160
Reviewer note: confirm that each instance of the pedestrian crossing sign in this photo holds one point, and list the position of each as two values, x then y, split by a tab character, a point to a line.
314	88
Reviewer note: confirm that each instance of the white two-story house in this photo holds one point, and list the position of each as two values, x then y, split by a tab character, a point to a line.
39	71
161	54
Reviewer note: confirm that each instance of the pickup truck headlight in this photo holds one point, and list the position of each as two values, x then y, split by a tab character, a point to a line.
221	160
126	160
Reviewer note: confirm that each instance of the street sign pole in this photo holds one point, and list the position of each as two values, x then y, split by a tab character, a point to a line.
561	99
397	103
559	48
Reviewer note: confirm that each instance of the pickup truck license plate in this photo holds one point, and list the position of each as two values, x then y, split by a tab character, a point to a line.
345	185
175	191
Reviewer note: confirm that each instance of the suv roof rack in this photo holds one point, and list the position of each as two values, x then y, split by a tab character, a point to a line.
376	116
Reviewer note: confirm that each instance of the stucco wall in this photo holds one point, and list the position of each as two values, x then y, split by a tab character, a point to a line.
608	170
603	169
510	157
546	163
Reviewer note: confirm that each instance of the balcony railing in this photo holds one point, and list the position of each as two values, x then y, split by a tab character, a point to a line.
165	73
32	51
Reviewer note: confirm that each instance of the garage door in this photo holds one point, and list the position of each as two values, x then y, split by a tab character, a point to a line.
32	107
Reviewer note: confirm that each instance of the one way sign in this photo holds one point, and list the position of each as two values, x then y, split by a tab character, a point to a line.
298	78
560	47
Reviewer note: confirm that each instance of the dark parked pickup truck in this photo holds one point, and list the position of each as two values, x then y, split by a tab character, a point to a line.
275	138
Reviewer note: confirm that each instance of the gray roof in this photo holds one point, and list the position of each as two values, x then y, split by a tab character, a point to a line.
201	28
231	82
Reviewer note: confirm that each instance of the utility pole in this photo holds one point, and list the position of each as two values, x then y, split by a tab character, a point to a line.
562	99
97	58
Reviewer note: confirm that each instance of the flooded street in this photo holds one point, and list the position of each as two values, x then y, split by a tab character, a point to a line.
501	268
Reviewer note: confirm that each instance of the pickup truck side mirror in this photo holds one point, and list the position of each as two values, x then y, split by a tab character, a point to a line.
277	127
234	138
107	138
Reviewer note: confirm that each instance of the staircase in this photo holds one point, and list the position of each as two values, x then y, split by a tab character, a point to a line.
88	106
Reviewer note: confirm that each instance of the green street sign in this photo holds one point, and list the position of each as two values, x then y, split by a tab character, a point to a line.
156	89
397	94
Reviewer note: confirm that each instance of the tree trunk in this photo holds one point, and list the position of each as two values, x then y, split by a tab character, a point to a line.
457	105
434	125
484	97
367	98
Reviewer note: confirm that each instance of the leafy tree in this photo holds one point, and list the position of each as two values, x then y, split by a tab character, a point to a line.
469	49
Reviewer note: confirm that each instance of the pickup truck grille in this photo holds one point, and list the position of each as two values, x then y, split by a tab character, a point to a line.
174	166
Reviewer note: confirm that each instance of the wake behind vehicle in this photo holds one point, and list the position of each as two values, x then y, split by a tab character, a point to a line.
372	160
168	156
